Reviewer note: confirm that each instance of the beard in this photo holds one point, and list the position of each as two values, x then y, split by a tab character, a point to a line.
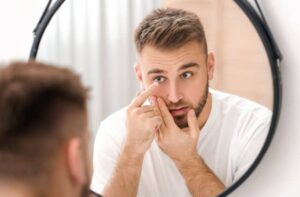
181	121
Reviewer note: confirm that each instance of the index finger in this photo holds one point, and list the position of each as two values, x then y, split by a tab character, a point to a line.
142	97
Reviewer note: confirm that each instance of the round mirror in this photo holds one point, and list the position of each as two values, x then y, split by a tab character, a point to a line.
95	38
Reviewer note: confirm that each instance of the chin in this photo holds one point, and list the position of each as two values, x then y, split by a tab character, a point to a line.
181	121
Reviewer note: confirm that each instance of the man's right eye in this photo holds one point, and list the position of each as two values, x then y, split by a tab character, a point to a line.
159	79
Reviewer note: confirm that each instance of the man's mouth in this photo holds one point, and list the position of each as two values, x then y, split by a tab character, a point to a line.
179	111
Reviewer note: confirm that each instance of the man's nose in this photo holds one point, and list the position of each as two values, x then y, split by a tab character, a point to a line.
174	93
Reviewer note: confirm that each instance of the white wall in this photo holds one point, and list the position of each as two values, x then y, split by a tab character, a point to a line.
95	39
17	21
279	172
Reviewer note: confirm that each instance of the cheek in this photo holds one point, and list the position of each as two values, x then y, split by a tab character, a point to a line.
160	91
191	94
194	91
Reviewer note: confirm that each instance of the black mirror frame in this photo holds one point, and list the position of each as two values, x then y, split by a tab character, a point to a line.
275	58
272	50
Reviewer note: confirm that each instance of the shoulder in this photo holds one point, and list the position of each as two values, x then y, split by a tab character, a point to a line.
110	135
117	117
239	107
113	125
247	121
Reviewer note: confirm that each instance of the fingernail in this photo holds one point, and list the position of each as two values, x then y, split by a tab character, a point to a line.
159	100
192	113
153	99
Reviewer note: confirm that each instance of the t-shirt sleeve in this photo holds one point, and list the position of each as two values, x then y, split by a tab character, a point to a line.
249	145
106	150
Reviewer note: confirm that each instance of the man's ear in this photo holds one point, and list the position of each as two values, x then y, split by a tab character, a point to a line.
75	161
138	73
210	65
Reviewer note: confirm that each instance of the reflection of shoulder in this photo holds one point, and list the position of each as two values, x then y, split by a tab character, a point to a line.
116	117
114	124
234	105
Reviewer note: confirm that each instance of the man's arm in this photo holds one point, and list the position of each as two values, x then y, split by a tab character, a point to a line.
141	124
180	145
126	175
200	180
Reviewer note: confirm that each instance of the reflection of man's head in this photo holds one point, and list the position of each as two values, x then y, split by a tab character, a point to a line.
172	51
43	130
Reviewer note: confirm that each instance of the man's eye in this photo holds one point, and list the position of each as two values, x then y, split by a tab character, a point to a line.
186	75
159	79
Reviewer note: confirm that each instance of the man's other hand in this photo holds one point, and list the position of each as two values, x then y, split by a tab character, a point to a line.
142	123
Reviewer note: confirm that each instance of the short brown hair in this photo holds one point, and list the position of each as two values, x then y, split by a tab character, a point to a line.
35	98
169	28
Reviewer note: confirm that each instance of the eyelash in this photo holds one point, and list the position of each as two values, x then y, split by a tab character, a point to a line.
190	73
155	79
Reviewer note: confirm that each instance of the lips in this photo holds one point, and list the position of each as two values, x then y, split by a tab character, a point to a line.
179	111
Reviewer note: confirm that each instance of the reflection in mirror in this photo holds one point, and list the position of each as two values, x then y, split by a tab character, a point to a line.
95	38
148	149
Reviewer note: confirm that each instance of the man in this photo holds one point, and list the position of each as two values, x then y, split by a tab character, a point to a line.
43	132
187	139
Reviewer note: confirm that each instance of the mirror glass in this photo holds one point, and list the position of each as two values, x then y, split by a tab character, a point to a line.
95	38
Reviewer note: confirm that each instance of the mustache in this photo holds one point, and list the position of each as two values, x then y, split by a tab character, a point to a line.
178	104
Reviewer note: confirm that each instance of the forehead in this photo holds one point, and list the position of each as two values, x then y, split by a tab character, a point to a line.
151	57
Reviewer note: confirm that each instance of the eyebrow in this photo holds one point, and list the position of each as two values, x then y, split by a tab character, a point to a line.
156	71
183	67
189	65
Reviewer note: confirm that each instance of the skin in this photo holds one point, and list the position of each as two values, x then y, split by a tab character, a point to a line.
180	107
70	170
182	75
142	122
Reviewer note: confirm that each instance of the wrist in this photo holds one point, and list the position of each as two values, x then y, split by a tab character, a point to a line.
136	146
132	151
192	160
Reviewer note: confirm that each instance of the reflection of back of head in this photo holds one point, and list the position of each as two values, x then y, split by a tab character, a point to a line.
38	107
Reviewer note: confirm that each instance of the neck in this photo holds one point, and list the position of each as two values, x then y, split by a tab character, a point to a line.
23	188
14	189
205	112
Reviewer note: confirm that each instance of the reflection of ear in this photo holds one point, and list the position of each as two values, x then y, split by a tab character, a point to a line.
138	72
210	65
75	161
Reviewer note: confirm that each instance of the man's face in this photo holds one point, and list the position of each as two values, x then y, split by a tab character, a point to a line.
182	75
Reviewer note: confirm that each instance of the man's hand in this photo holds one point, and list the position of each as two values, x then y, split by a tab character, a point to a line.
142	123
179	144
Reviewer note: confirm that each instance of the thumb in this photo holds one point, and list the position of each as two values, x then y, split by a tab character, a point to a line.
193	123
167	117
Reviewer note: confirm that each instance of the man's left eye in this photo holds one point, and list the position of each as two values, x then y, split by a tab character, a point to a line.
186	75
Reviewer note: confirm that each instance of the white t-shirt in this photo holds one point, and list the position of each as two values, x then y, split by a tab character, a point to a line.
229	142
